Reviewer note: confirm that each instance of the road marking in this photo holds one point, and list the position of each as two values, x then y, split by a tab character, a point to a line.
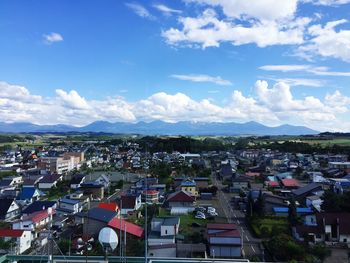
235	215
238	221
247	238
242	230
253	248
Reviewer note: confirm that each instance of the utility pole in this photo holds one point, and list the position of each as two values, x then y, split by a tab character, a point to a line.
146	252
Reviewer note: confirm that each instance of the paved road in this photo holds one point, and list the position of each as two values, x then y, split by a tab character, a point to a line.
251	245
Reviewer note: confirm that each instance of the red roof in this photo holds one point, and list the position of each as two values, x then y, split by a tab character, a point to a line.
272	184
252	174
290	183
38	216
109	206
130	228
11	233
222	226
151	192
180	196
224	230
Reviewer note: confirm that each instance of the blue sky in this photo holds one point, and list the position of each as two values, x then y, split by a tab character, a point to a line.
270	61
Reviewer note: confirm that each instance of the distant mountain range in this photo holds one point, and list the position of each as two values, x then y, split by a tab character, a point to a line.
162	128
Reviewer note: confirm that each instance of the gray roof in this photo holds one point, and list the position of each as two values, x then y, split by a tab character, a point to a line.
101	214
307	188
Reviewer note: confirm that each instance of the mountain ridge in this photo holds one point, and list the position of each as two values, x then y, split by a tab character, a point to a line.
163	128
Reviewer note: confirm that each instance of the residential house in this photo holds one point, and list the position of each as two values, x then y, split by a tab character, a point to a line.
290	183
314	201
34	222
94	220
9	209
150	196
310	189
188	185
29	194
67	206
49	181
129	203
37	206
240	183
131	229
224	241
109	206
162	239
103	180
343	166
20	238
271	201
77	180
201	182
180	202
326	227
93	189
226	171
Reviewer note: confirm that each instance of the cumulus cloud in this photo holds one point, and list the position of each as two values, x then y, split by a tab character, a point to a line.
271	105
207	30
327	41
72	99
139	10
257	9
203	78
52	38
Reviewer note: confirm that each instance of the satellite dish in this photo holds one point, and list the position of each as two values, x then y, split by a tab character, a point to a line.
108	238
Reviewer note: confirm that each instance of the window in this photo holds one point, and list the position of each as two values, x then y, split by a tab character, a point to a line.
166	231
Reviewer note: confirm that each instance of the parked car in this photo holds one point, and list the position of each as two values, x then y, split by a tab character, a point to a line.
200	216
211	213
200	209
211	209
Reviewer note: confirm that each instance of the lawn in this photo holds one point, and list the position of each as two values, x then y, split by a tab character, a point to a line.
186	222
264	227
330	142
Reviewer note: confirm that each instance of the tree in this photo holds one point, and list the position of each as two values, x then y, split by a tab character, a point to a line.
64	246
259	205
284	248
292	213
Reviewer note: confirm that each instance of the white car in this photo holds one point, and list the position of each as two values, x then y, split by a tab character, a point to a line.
211	209
211	213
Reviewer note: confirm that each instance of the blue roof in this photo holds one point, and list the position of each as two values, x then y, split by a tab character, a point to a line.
188	183
69	201
101	214
38	206
300	210
27	193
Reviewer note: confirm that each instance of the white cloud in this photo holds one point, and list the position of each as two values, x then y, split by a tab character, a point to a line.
301	82
285	68
263	10
72	99
203	78
328	2
316	70
52	38
207	30
166	10
326	41
140	10
270	105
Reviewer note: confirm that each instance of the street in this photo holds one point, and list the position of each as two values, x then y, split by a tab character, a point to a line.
251	245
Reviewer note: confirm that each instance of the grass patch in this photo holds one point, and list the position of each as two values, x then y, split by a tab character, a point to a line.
266	227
